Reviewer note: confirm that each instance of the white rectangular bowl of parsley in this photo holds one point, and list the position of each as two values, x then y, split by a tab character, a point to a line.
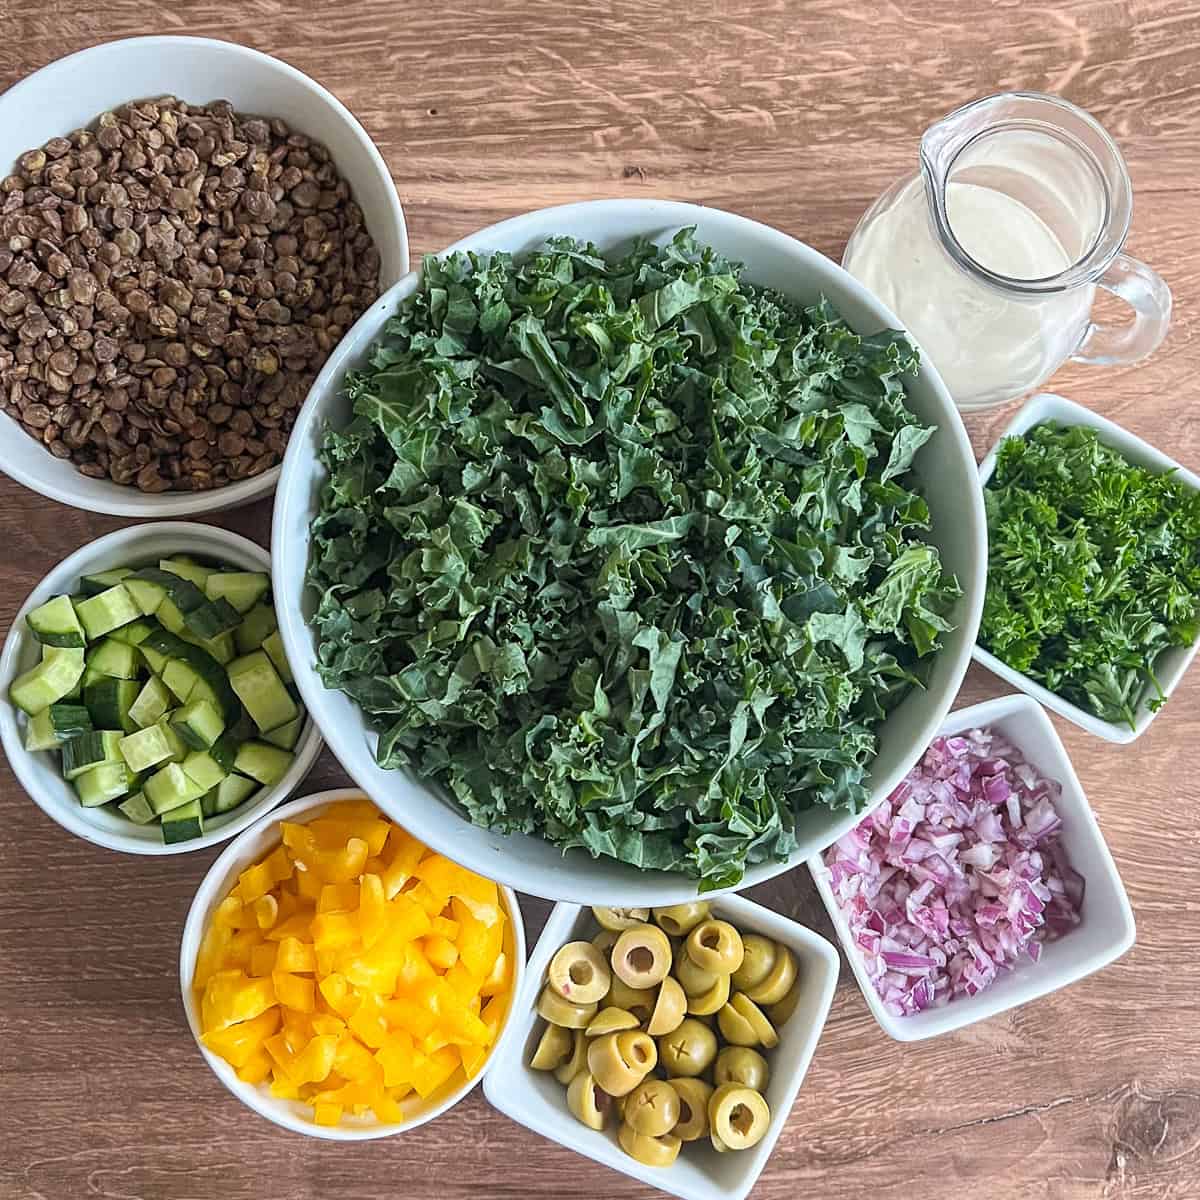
1093	601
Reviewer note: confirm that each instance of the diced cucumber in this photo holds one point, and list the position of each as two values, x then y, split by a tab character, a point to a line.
137	809
230	792
258	686
255	628
134	633
221	647
199	724
183	823
155	660
55	623
203	663
91	675
212	619
243	589
187	569
208	802
146	594
267	764
111	657
101	581
108	611
88	750
180	678
224	750
103	783
109	701
57	724
49	681
179	748
40	733
169	616
203	769
286	736
169	788
146	748
153	701
274	648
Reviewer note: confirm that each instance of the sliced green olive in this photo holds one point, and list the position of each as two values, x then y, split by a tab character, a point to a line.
642	956
621	918
711	1001
758	959
688	1050
740	1064
715	946
652	1108
680	919
763	1030
693	1107
692	978
620	1061
735	1028
587	1102
652	1151
559	1011
738	1116
639	1001
718	1145
782	1012
669	1009
553	1049
611	1020
578	1060
604	941
579	973
778	981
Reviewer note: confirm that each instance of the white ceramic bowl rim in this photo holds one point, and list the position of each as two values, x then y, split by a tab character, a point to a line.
576	876
73	817
217	880
118	500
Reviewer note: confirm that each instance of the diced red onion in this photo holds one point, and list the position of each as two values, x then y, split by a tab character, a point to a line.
958	875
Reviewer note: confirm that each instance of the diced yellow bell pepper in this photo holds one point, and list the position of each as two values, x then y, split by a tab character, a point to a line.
338	897
294	991
327	1023
262	959
325	1113
255	881
298	925
441	952
478	943
354	1061
372	909
296	956
368	1023
499	980
404	1015
395	1056
448	879
210	958
232	996
257	1068
332	833
315	1061
334	931
404	853
237	1044
386	1108
297	1028
309	885
339	995
266	911
430	1071
282	1088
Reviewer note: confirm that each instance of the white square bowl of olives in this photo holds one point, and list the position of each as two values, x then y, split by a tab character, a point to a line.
666	1135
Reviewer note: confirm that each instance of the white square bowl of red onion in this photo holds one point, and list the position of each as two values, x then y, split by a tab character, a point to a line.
981	883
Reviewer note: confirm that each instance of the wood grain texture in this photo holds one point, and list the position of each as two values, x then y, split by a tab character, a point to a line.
796	115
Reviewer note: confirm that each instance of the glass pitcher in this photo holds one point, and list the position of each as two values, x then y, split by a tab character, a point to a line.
991	255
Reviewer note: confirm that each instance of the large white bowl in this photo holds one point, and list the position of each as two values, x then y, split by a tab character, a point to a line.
945	467
72	92
292	1114
40	773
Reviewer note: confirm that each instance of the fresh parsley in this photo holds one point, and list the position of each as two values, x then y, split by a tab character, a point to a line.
1094	568
622	551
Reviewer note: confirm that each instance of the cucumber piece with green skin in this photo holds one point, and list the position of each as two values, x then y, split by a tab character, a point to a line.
39	687
186	568
225	750
103	783
146	594
274	648
286	736
118	659
40	733
170	787
179	748
155	660
263	695
213	619
153	701
203	769
55	725
101	581
204	665
109	701
221	647
229	793
55	623
257	625
242	589
91	675
199	724
89	750
146	748
180	678
170	617
134	633
107	611
184	606
268	764
183	823
137	809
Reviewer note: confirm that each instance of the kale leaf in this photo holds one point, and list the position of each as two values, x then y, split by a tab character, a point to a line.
618	550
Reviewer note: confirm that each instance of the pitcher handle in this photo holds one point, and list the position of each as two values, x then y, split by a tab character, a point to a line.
1147	294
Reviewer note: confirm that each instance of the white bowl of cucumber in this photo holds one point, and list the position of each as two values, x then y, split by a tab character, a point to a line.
148	706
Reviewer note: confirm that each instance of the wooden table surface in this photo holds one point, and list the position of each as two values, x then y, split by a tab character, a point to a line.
797	115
